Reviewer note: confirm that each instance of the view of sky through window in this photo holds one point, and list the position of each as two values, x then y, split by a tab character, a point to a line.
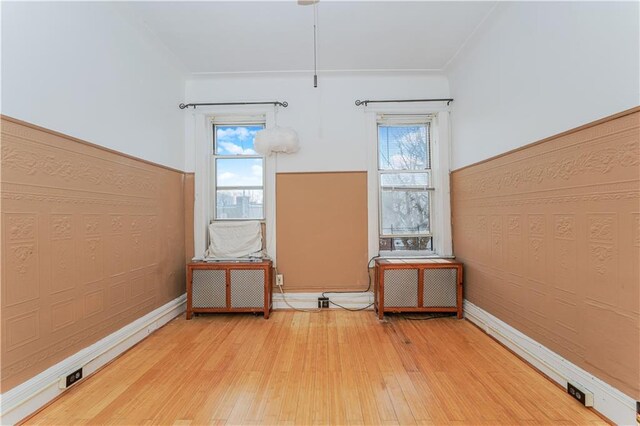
236	140
239	172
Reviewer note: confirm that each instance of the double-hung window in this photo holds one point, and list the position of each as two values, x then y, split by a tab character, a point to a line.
238	171
405	183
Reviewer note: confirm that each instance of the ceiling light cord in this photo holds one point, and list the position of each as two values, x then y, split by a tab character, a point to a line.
315	45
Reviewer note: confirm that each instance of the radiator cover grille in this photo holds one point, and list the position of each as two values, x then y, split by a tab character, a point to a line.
209	288
247	288
401	287
440	287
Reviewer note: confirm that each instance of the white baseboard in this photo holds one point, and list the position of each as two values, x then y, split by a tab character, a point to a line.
356	300
28	397
607	400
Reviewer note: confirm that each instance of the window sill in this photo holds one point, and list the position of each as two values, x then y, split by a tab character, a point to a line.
412	254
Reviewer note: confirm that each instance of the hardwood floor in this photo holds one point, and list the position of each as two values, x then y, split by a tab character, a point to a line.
334	367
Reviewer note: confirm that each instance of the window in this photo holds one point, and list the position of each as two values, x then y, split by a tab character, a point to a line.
238	172
405	183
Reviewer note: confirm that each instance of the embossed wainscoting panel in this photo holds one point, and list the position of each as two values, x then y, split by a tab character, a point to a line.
550	238
91	241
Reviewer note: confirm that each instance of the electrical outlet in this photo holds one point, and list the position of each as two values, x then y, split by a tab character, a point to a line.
583	395
323	302
279	280
68	380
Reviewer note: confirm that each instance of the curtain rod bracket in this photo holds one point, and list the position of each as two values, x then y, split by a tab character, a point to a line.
366	102
283	104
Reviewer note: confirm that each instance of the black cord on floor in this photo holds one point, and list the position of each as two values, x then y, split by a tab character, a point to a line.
422	318
352	309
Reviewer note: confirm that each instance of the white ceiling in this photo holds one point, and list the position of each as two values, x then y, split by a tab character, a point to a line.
210	37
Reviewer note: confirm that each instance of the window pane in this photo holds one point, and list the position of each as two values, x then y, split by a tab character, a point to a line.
238	172
403	147
417	180
405	212
236	140
406	243
239	204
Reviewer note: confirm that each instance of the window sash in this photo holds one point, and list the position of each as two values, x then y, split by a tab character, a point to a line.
239	121
403	119
239	188
391	120
239	156
389	187
426	125
381	232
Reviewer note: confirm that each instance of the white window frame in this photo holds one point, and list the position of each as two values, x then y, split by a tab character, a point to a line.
440	202
234	121
398	122
202	132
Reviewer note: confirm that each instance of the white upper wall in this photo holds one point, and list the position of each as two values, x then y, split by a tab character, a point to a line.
91	71
535	69
332	130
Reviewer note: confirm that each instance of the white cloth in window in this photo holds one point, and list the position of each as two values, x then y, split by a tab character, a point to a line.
234	239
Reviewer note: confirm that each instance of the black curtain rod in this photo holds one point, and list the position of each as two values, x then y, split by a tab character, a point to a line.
359	102
278	103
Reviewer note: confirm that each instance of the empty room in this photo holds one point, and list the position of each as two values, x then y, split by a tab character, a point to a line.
325	212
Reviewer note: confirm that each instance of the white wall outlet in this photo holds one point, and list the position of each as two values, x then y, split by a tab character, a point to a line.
279	280
582	394
66	381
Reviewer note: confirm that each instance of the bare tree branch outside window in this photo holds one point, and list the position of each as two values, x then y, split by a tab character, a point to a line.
405	179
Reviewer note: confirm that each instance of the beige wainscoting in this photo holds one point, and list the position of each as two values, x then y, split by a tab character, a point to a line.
550	238
91	240
321	230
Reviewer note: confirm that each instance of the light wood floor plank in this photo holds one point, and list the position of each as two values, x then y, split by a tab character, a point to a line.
334	367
